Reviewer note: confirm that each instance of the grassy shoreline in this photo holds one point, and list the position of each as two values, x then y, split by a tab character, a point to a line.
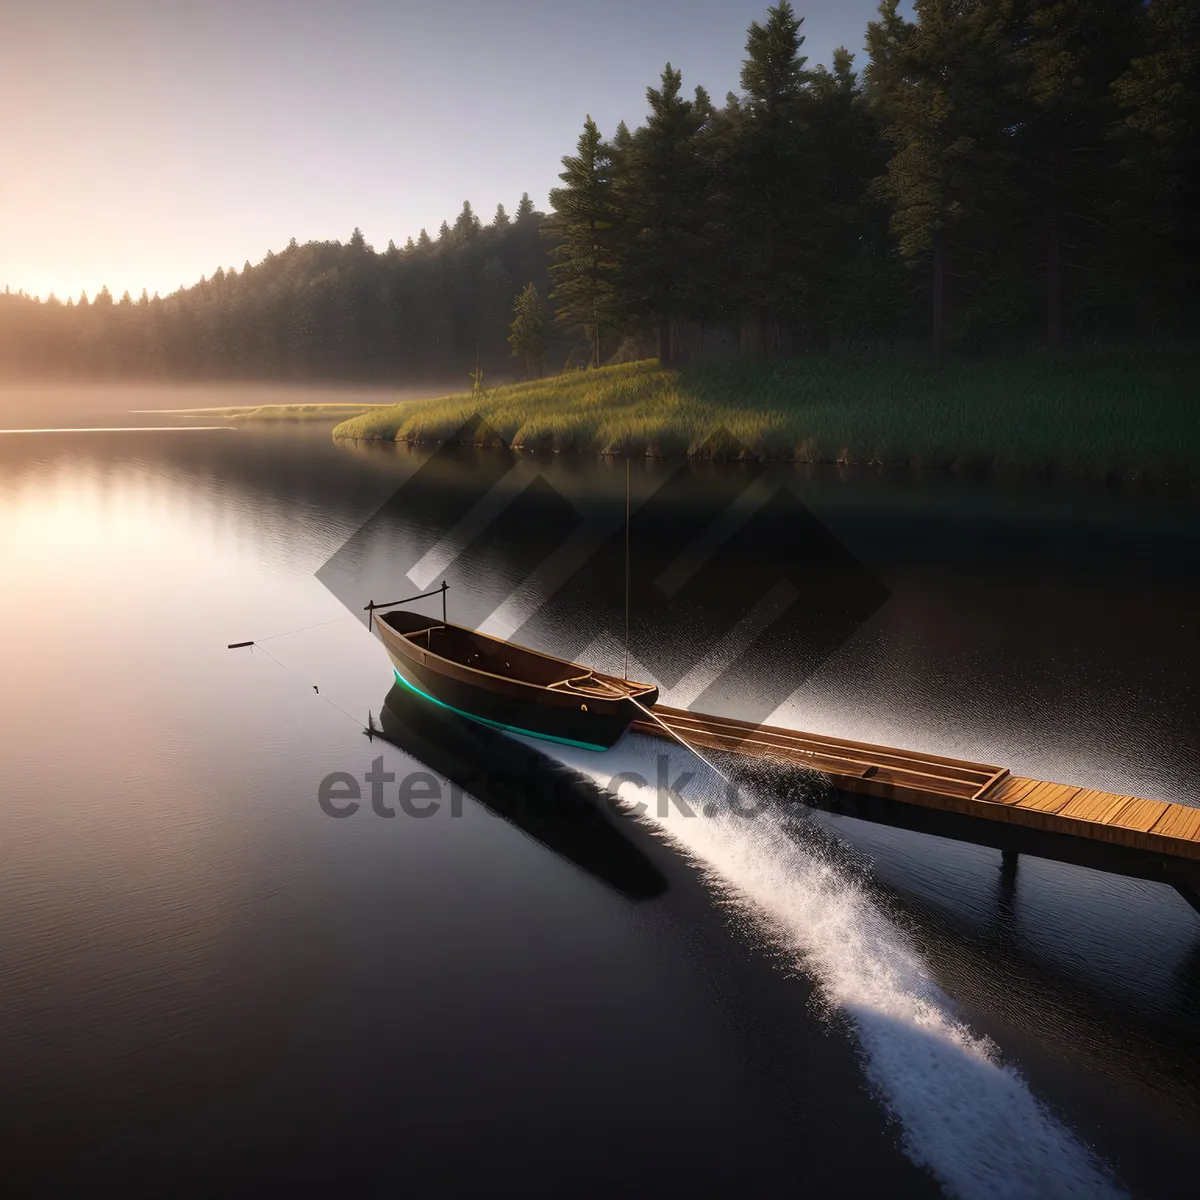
1128	414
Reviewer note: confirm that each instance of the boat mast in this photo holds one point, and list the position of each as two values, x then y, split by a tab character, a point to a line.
625	672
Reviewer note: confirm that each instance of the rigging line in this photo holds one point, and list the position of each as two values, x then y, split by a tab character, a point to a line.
293	674
304	628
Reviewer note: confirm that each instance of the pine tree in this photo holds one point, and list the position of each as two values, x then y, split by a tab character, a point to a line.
775	188
527	333
658	190
424	241
582	228
444	232
500	220
773	72
620	165
1158	137
943	88
466	224
1158	92
1070	52
852	264
494	294
525	209
622	140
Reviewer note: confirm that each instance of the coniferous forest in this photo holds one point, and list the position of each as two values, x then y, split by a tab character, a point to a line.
996	176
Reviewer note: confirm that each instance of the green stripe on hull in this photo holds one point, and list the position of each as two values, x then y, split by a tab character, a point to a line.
546	737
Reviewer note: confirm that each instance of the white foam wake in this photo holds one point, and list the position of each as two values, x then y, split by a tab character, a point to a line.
965	1115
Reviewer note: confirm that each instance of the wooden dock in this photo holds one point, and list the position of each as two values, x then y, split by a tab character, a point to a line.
1151	838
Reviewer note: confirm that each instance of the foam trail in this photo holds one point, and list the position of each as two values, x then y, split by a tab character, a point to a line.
966	1116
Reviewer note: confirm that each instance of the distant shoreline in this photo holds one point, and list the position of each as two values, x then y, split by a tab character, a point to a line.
274	412
1102	415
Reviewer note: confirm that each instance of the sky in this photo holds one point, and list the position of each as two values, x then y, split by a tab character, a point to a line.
144	143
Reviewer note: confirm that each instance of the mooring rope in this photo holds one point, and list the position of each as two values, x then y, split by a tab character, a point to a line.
684	743
305	628
618	693
285	667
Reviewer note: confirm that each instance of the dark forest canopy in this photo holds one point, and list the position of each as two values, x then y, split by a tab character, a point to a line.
1001	174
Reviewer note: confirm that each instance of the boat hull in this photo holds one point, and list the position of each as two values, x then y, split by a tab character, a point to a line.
599	726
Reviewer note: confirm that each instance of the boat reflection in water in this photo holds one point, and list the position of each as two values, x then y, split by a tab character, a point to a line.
545	800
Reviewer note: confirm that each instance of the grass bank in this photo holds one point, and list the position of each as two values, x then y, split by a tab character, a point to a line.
1096	414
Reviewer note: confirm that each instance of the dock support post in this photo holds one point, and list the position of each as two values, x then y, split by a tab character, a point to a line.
1008	866
1190	894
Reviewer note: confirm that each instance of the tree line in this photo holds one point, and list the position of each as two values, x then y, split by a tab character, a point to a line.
429	310
1000	175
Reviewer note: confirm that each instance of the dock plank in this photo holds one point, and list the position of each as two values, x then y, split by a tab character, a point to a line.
1140	815
1020	789
1179	821
1004	789
1085	804
1049	797
1092	805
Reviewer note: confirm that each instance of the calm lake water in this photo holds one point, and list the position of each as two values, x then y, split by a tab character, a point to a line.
211	984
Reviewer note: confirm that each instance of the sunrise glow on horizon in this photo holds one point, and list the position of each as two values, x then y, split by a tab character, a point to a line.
156	141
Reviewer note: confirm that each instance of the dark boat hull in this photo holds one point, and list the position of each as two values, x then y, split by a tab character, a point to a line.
591	730
514	705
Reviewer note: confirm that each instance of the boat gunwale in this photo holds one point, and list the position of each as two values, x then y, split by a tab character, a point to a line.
641	688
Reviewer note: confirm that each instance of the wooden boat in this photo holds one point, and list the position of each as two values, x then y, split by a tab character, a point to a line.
508	686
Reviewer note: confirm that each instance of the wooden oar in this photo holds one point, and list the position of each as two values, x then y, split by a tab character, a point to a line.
685	744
